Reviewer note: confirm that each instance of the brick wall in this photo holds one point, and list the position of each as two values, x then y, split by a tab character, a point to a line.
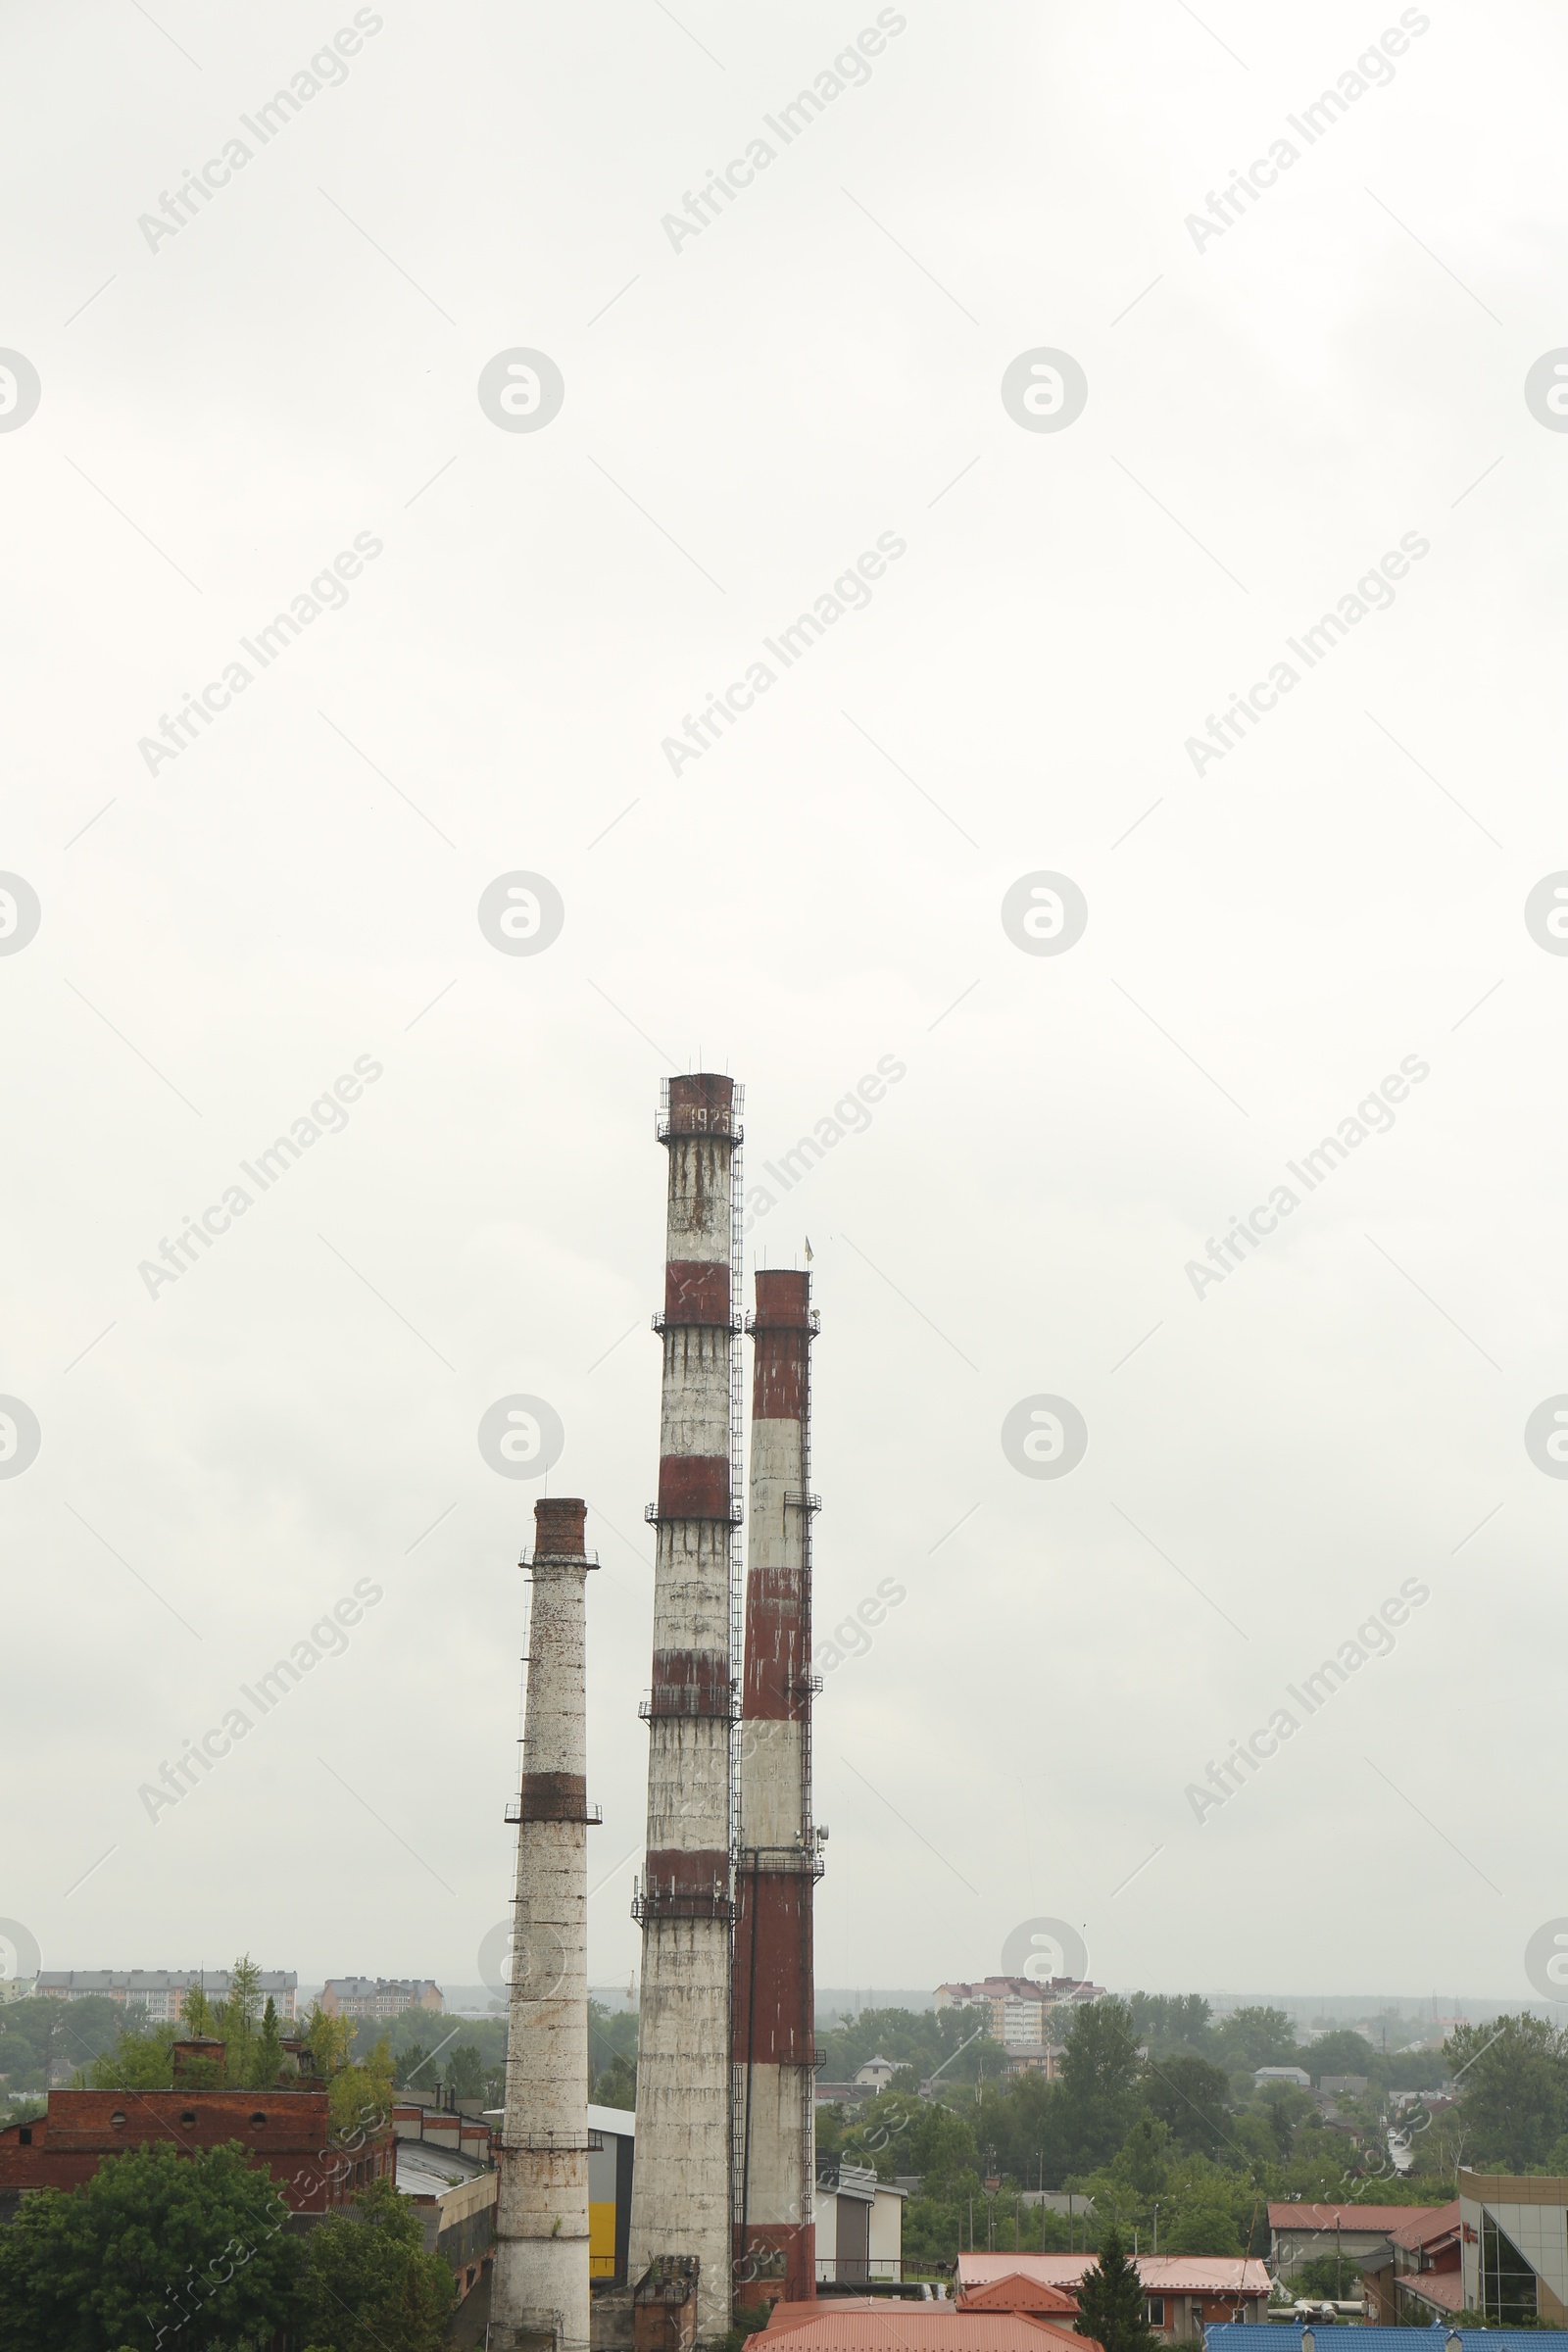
284	2132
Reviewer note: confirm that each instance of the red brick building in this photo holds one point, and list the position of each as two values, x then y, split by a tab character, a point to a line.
284	2132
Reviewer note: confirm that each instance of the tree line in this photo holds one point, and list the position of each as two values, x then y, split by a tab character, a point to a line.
1157	2124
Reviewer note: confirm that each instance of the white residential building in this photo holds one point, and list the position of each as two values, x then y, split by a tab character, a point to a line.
161	1994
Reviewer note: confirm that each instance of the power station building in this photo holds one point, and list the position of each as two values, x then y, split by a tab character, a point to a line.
723	2190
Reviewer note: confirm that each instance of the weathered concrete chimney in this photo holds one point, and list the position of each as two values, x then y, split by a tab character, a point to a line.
681	2188
778	1860
539	2293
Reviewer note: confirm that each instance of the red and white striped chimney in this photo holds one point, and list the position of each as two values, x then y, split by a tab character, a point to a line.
681	2183
778	1859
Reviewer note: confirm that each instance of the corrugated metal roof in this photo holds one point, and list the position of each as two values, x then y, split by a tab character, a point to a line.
1019	2293
622	2122
853	2325
1160	2274
1347	2217
1445	2289
1273	2336
1422	2226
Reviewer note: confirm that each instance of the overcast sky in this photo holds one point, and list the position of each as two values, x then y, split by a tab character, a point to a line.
1277	400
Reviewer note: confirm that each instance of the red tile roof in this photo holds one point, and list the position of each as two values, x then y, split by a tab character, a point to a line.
1345	2217
879	2324
1160	2274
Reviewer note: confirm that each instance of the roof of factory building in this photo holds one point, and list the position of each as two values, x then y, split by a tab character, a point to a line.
850	2323
620	2122
425	2171
617	2122
1160	2274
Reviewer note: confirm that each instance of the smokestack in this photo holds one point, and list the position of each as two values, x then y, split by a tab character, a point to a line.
539	2294
778	1862
680	2203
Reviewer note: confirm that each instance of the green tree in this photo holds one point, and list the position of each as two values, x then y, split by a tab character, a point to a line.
616	2086
235	2020
466	2071
1202	2229
197	2016
142	2059
1142	2159
43	2039
359	2098
267	2057
1110	2297
1331	2274
1513	2078
1172	2022
1099	2083
369	2285
922	2038
412	2066
1342	2052
1190	2097
328	2039
153	2243
1253	2037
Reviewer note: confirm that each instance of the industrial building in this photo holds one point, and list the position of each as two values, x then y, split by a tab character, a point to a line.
723	2187
446	2171
284	2132
612	2148
858	2234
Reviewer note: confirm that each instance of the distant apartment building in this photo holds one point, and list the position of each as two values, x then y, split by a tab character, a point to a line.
161	1994
1019	2009
381	1997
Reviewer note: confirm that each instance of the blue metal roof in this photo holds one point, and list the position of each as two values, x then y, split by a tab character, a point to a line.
1231	2335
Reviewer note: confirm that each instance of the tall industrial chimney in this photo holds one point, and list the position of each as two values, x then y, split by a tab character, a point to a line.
680	2203
539	2293
778	1860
